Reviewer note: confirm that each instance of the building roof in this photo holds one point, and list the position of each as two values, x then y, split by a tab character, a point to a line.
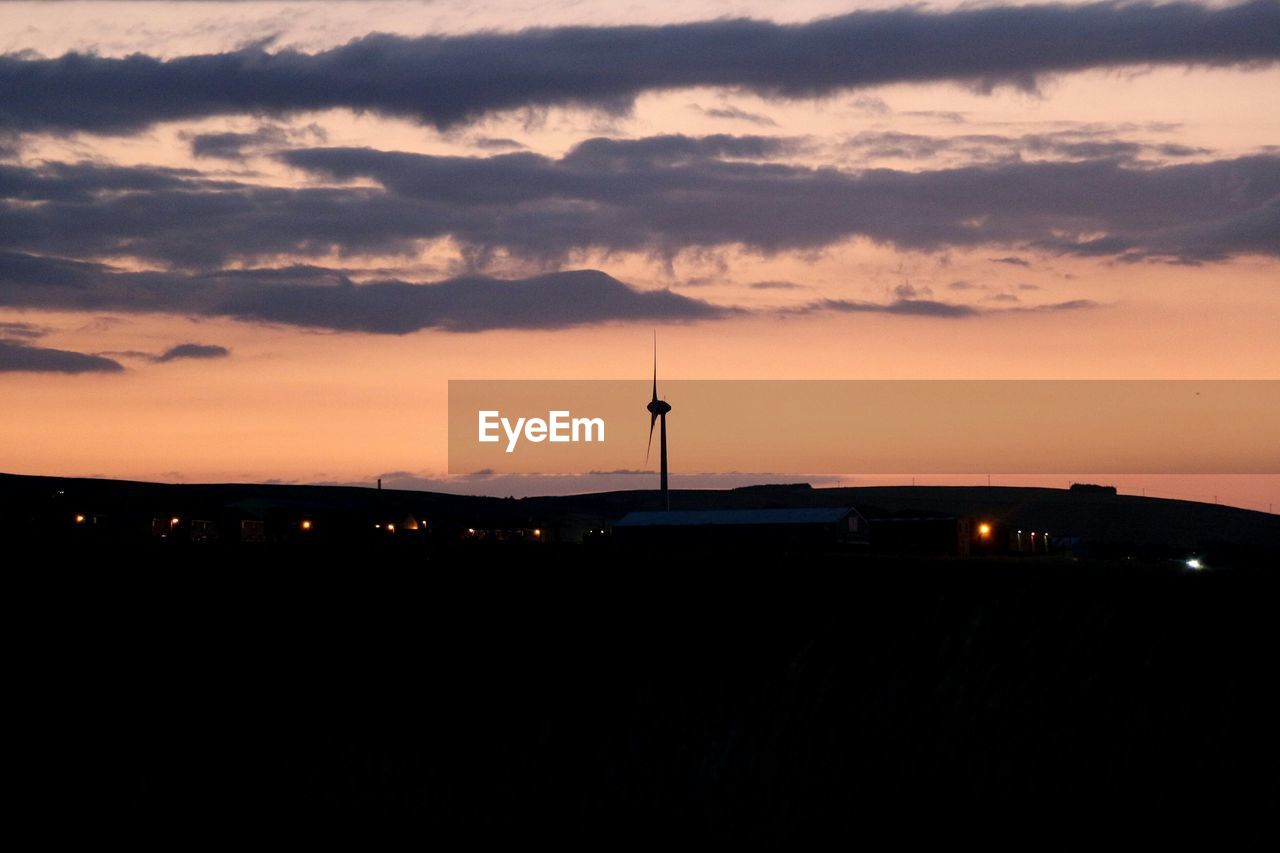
698	518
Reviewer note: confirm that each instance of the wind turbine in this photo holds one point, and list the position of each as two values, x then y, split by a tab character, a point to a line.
658	409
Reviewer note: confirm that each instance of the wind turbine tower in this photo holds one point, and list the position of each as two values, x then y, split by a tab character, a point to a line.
658	409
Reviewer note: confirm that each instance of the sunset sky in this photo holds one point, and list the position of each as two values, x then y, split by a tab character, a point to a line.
253	241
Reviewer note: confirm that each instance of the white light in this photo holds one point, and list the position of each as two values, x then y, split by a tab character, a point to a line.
1194	563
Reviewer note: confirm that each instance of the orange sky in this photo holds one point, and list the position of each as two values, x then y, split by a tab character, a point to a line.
302	404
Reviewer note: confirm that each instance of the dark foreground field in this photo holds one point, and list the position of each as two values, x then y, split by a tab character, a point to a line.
554	695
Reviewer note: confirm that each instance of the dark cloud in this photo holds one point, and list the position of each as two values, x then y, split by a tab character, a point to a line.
1085	143
898	145
449	80
234	146
735	114
1011	261
870	104
497	143
1069	305
931	308
316	297
238	146
1253	231
949	116
199	351
910	291
25	331
17	357
85	181
911	307
326	299
775	285
670	193
1173	149
659	195
676	149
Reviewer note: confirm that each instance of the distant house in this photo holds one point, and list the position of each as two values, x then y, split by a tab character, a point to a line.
253	530
823	526
924	533
1092	489
204	530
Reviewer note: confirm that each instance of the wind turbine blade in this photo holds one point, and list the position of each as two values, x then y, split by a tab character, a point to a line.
653	419
655	369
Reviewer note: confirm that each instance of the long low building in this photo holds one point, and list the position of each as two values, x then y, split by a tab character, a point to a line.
802	526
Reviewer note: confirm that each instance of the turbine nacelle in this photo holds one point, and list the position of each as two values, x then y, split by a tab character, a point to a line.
657	408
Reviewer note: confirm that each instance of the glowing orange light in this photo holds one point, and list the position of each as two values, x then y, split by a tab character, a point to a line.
537	533
391	527
984	530
79	519
306	525
173	522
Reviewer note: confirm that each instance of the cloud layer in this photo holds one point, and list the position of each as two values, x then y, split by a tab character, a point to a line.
658	195
197	351
19	357
320	298
450	80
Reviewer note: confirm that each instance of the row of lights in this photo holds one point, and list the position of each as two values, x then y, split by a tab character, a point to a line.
305	524
984	531
537	531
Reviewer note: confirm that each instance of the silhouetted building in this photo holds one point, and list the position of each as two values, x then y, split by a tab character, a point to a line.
923	533
791	527
253	530
204	530
509	535
1093	489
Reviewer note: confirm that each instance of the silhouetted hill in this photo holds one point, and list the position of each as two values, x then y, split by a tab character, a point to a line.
1095	517
607	694
1098	517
